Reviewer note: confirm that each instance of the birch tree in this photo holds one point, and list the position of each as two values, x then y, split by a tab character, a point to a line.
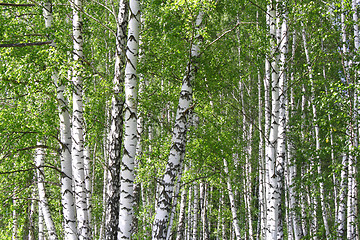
116	127
84	231
272	192
67	199
163	207
127	198
43	201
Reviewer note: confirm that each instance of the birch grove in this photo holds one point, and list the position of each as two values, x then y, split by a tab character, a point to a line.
195	119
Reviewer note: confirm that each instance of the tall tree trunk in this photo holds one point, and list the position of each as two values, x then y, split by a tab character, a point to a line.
163	207
127	174
272	183
116	127
235	220
341	220
84	231
174	204
181	223
352	226
43	201
195	210
67	197
281	144
203	210
41	225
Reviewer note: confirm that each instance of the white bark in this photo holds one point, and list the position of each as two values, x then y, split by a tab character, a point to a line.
341	216
41	226
262	199
195	210
273	195
181	223
130	134
189	216
174	204
203	210
163	207
84	231
352	228
233	207
116	127
31	234
67	198
43	202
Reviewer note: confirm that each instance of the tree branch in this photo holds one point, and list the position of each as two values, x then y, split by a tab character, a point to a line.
25	44
17	5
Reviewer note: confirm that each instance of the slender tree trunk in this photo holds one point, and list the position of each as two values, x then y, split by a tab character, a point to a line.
105	174
341	220
317	137
67	197
31	233
181	223
43	202
262	199
116	127
281	141
84	231
233	207
174	202
41	226
203	210
189	215
195	210
163	207
127	198
352	226
272	183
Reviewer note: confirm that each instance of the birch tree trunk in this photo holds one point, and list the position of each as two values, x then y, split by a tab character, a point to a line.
341	215
181	223
273	194
67	197
195	210
203	210
84	231
116	128
281	144
317	137
127	174
233	207
352	226
163	207
43	202
41	226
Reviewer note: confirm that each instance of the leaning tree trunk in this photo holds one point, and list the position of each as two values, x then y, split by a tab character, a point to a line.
127	198
163	207
84	231
43	201
116	128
